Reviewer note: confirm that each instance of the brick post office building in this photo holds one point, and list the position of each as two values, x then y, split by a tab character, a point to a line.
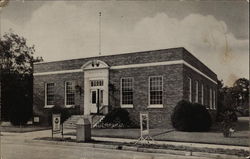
152	81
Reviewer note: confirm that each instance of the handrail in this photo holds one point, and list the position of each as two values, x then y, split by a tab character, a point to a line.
102	107
100	113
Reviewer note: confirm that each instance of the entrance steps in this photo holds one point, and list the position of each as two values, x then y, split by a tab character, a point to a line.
70	123
94	119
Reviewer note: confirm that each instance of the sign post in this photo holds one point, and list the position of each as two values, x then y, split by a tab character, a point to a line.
56	124
144	125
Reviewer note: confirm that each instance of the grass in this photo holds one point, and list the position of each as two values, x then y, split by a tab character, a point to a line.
119	145
22	129
215	136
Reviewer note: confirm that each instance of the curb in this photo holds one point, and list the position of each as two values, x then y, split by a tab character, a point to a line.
138	149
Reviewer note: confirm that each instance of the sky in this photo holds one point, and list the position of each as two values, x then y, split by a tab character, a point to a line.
214	31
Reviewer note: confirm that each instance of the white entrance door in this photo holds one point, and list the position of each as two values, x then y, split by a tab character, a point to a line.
93	107
96	100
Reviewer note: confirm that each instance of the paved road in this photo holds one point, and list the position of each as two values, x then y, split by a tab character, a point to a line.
12	147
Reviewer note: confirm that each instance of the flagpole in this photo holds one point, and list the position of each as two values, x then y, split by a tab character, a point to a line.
100	15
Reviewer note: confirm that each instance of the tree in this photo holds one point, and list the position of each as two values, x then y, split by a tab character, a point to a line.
233	99
240	94
16	70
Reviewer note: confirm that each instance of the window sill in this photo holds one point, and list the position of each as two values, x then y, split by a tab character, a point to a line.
127	106
156	106
49	106
69	106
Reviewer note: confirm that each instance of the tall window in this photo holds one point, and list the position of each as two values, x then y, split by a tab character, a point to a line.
210	98
196	92
202	94
50	94
69	93
190	89
214	99
127	91
155	90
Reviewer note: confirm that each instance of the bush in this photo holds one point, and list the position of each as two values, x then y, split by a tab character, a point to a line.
65	114
20	107
117	118
191	117
231	113
227	122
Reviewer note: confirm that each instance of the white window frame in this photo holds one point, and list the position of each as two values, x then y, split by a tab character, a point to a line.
126	105
202	94
45	100
190	89
214	99
210	98
155	105
196	91
65	95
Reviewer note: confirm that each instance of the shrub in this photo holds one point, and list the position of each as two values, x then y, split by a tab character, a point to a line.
227	122
20	108
65	114
230	112
117	118
191	117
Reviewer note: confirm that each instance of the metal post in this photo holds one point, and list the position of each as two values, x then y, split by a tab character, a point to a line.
98	101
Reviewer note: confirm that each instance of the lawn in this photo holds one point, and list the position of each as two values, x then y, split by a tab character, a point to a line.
240	137
22	129
152	147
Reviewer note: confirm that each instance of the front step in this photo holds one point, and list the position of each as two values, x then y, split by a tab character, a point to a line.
71	122
96	119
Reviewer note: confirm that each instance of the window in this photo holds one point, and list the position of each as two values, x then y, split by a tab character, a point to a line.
155	90
196	92
50	94
127	92
214	100
210	98
202	94
190	89
95	83
69	93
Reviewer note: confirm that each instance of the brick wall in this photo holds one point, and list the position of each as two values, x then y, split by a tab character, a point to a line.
59	80
114	60
189	73
172	91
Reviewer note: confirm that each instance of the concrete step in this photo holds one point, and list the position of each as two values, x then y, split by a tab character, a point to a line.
71	122
97	119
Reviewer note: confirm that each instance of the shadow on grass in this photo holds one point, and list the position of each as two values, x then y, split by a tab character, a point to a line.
168	131
22	129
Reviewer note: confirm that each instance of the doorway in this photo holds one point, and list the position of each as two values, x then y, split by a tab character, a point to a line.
96	100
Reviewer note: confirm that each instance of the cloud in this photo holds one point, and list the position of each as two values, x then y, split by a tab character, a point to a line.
62	31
